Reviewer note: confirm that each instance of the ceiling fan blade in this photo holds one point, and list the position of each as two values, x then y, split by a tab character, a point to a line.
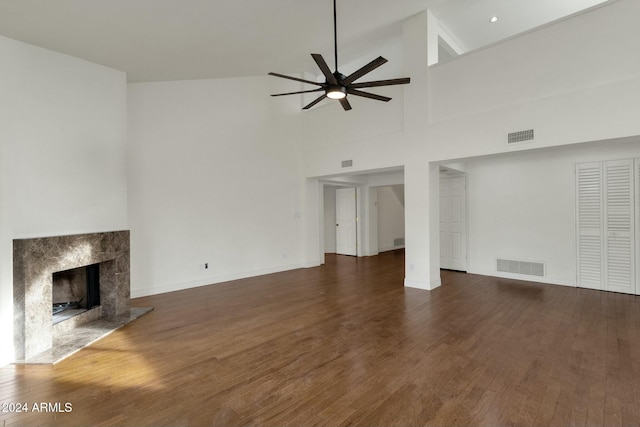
297	79
345	104
402	81
322	64
295	93
368	95
364	70
314	102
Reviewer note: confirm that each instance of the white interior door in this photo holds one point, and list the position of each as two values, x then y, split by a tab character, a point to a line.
346	221
619	226
453	223
605	204
589	212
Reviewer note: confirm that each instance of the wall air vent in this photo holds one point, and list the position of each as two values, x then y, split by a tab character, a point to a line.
398	241
347	163
520	136
520	267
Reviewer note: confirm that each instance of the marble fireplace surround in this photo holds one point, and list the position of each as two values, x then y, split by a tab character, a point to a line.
35	261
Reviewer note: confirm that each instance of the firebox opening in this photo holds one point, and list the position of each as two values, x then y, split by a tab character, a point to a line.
75	291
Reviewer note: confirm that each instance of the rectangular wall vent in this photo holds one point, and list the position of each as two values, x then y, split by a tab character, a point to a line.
521	267
347	163
520	136
398	242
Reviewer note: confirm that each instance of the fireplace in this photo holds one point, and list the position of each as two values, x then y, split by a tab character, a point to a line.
58	269
75	291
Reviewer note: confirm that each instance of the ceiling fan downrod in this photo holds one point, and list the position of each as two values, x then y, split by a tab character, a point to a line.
335	36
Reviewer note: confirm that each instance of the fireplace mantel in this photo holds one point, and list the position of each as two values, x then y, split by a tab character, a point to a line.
35	261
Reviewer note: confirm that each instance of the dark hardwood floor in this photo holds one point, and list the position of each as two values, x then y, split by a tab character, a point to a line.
347	344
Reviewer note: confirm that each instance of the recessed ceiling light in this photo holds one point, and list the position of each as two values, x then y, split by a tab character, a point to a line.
493	19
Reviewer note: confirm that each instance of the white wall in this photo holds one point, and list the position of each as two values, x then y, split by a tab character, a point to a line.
522	207
390	216
214	177
569	83
558	59
62	154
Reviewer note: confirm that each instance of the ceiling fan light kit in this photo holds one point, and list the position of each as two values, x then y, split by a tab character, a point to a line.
337	86
336	92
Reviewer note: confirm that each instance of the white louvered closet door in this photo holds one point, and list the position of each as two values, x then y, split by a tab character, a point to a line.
619	224
606	224
589	204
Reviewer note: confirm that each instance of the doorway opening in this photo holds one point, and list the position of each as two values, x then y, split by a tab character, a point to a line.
363	214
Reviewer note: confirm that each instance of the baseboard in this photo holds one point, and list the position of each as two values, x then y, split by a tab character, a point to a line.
390	248
416	284
307	264
211	280
524	277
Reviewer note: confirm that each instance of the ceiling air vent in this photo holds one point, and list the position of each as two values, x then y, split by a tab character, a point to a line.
520	136
347	163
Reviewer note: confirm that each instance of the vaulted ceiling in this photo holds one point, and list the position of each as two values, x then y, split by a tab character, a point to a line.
154	40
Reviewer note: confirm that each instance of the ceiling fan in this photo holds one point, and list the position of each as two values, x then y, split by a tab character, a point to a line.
337	85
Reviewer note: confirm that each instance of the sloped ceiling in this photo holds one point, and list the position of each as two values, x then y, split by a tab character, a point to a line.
153	40
189	39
